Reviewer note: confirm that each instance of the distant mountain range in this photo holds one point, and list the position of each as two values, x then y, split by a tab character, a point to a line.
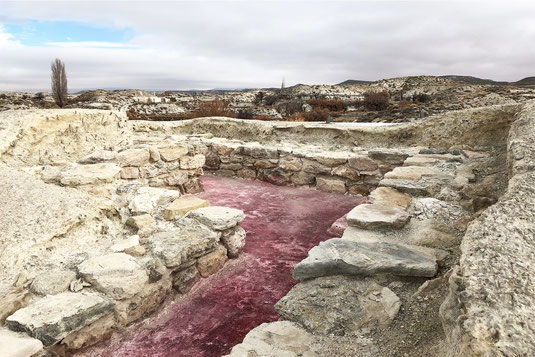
528	81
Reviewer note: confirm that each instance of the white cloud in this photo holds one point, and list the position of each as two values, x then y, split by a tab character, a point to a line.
247	44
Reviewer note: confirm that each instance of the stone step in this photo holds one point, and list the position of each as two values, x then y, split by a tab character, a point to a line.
117	275
376	216
54	317
180	247
13	344
339	305
421	161
217	218
412	172
183	205
338	256
387	196
421	188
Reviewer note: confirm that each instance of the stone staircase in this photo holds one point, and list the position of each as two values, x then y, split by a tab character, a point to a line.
410	227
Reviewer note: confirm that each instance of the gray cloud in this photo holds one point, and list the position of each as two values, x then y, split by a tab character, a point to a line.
182	45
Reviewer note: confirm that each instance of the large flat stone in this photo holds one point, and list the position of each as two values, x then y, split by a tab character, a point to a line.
77	175
411	187
376	216
183	205
18	345
279	338
339	305
133	157
217	218
52	282
412	172
184	244
148	199
338	256
55	316
387	196
117	275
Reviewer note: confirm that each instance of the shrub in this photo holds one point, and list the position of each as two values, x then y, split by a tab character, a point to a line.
259	97
245	114
271	99
214	108
376	100
39	96
333	105
421	98
318	114
290	107
132	114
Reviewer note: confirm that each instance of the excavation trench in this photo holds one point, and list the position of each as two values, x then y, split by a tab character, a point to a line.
282	224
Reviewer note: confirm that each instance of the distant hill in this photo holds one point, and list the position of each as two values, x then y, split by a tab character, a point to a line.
353	82
472	80
528	81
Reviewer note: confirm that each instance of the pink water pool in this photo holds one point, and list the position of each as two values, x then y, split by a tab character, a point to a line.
282	224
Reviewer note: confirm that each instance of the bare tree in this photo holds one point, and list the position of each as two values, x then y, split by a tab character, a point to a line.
59	82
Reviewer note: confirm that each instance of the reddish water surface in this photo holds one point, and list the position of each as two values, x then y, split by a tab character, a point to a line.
282	224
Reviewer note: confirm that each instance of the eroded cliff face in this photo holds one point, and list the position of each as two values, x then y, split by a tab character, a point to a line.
489	310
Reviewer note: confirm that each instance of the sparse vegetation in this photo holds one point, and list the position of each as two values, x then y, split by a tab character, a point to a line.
214	108
333	105
376	100
318	114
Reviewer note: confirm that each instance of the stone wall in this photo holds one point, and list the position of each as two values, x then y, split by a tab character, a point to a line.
489	310
336	171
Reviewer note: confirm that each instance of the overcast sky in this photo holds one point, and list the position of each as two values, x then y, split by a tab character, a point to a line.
235	44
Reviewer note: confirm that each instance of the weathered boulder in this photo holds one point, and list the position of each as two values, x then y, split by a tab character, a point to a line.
338	256
133	157
125	244
330	184
181	246
55	316
172	153
130	172
290	163
338	227
52	282
192	162
183	205
148	199
13	344
77	175
140	222
117	275
339	305
376	216
387	196
279	338
391	157
362	163
423	187
217	218
420	161
234	240
211	263
184	280
412	172
98	156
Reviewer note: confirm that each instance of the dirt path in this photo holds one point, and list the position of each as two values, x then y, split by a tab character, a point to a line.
282	224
